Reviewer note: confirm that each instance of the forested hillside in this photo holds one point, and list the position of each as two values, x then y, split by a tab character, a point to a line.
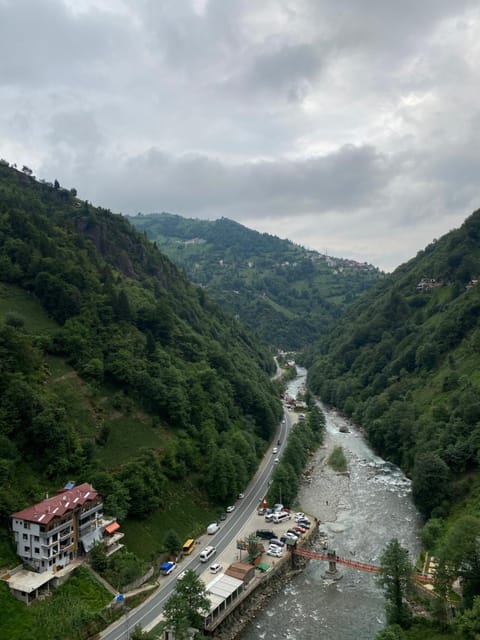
114	369
405	364
286	293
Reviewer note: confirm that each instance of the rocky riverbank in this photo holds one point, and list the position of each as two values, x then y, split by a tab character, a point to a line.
246	612
319	480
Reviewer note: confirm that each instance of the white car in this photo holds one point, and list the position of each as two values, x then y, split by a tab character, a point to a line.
182	575
241	496
275	450
230	508
299	516
215	568
275	552
291	535
276	461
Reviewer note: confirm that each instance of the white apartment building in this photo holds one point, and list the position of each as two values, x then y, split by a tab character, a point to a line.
51	533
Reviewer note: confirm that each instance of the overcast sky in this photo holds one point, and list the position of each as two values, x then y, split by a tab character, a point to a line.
348	126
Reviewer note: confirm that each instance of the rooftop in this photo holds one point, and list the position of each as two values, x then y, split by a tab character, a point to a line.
66	500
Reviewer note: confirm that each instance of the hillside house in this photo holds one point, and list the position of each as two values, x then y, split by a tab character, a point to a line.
50	534
427	284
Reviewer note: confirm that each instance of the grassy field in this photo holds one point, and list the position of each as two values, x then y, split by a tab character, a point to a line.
187	514
15	300
128	434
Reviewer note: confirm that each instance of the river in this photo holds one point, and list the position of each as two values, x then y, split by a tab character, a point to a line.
360	514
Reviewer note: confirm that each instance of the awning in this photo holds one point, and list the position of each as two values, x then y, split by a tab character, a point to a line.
263	566
89	539
112	527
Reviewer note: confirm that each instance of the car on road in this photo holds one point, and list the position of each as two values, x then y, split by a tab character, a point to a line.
182	575
241	496
276	461
166	568
215	568
275	450
230	508
222	516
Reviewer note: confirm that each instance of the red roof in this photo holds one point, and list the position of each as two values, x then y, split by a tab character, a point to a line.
112	527
44	511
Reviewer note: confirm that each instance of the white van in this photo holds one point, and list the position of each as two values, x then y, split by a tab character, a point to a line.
281	517
207	553
213	528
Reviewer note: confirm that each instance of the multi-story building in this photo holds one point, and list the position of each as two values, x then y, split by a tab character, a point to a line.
50	534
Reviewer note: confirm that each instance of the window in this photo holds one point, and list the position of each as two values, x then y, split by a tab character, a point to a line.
26	525
27	549
37	550
36	538
25	537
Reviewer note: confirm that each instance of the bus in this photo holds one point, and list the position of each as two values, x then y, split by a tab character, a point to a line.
188	546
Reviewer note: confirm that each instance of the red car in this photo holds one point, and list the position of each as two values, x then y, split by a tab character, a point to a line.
299	529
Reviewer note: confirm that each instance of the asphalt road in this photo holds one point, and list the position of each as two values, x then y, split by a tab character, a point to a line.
145	614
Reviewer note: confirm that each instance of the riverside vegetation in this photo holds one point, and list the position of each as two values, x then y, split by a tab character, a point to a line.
403	362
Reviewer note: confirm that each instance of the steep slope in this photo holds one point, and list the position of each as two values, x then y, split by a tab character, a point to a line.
287	294
114	368
405	364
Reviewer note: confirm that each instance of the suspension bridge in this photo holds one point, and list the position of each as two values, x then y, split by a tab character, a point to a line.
332	559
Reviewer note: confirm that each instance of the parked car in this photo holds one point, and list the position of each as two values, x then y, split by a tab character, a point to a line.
241	496
222	516
306	524
268	517
275	546
276	553
299	529
215	568
292	536
266	534
278	507
277	542
261	511
213	528
299	516
231	508
167	567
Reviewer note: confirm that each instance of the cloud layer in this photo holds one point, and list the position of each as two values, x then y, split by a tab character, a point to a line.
349	127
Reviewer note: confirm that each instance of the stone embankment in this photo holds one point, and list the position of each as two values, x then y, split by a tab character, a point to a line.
272	583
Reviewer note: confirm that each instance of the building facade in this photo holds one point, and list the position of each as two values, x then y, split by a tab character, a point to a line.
51	533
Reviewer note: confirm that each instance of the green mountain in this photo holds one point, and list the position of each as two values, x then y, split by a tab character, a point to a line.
115	369
286	293
404	363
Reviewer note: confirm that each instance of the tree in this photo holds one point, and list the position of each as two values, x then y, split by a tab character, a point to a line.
429	482
396	580
172	542
467	624
186	606
392	632
98	557
460	554
139	634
